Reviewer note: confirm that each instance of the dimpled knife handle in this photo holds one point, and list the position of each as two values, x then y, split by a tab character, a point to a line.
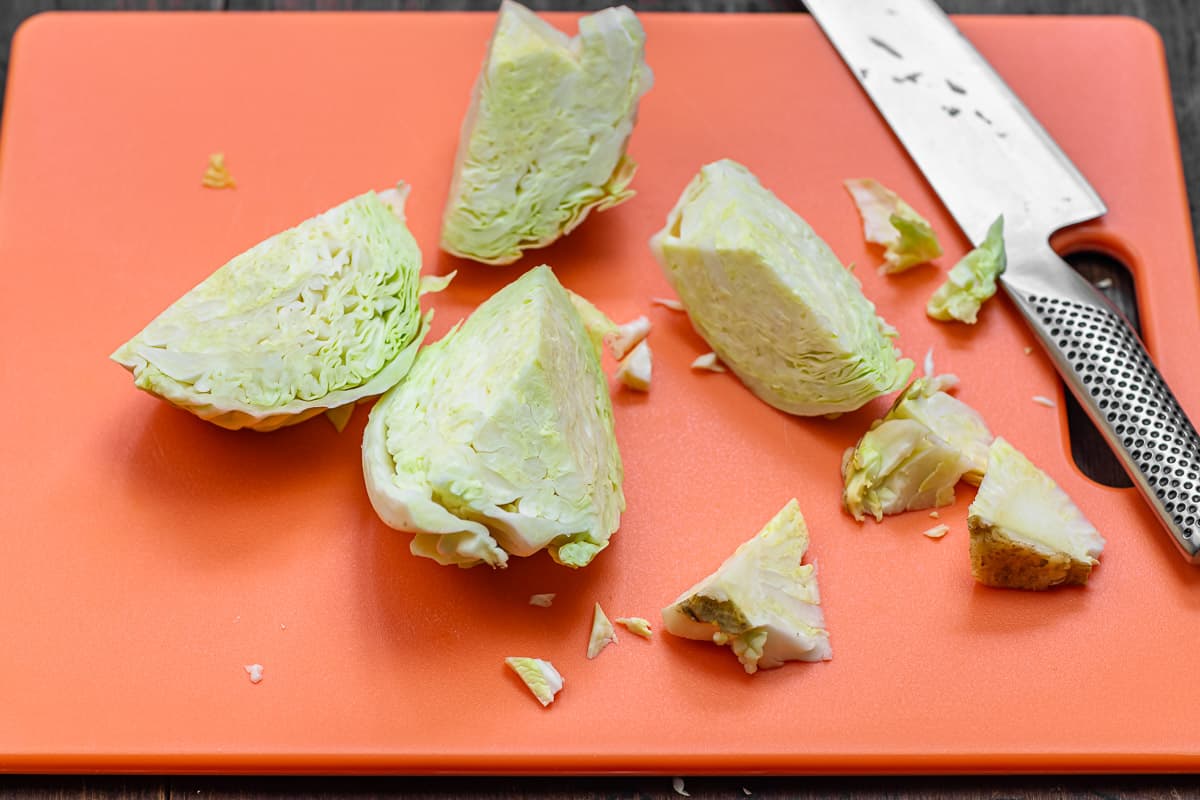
1110	372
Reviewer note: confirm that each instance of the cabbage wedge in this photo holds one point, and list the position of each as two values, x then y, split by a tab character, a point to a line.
772	300
311	320
500	440
543	142
762	602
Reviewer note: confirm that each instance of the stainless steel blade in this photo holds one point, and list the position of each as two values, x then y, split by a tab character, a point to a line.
985	154
981	149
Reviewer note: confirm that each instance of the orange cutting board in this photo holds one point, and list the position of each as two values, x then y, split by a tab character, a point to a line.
146	556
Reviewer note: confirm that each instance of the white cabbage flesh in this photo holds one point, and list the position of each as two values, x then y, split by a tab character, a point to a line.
762	601
926	401
312	319
543	142
500	440
899	465
772	300
1027	506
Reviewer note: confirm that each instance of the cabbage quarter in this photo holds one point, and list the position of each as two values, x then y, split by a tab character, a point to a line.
500	440
543	141
772	300
310	320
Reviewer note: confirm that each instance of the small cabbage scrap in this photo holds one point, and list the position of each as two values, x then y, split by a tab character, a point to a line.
500	441
543	142
972	280
602	634
761	602
216	175
772	300
1025	531
638	625
906	236
539	675
312	319
899	465
542	600
926	401
637	368
628	336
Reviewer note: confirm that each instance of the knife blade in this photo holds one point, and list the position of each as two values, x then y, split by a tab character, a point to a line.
985	154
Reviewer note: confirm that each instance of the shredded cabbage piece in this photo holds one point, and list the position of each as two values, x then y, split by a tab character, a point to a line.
539	675
907	237
972	280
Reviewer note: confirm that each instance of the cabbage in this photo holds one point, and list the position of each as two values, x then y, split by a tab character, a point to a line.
500	440
637	368
1025	531
972	280
906	236
543	142
913	457
899	465
772	300
312	319
602	634
956	423
637	625
761	602
539	675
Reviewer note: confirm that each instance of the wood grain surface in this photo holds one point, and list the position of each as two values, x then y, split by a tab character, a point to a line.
1178	22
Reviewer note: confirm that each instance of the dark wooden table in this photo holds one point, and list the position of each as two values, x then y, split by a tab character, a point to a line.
1178	21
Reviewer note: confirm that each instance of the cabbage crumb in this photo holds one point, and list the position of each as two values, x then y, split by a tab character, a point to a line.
636	625
1025	532
255	671
542	600
937	531
539	675
500	441
762	602
544	139
907	238
667	302
708	362
636	369
310	320
216	175
772	300
602	633
972	280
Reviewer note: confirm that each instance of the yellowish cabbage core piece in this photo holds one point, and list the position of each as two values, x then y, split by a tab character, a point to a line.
1026	533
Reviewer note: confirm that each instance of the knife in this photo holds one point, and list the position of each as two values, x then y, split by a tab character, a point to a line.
985	154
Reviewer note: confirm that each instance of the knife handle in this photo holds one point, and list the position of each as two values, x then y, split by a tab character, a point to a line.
1107	368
